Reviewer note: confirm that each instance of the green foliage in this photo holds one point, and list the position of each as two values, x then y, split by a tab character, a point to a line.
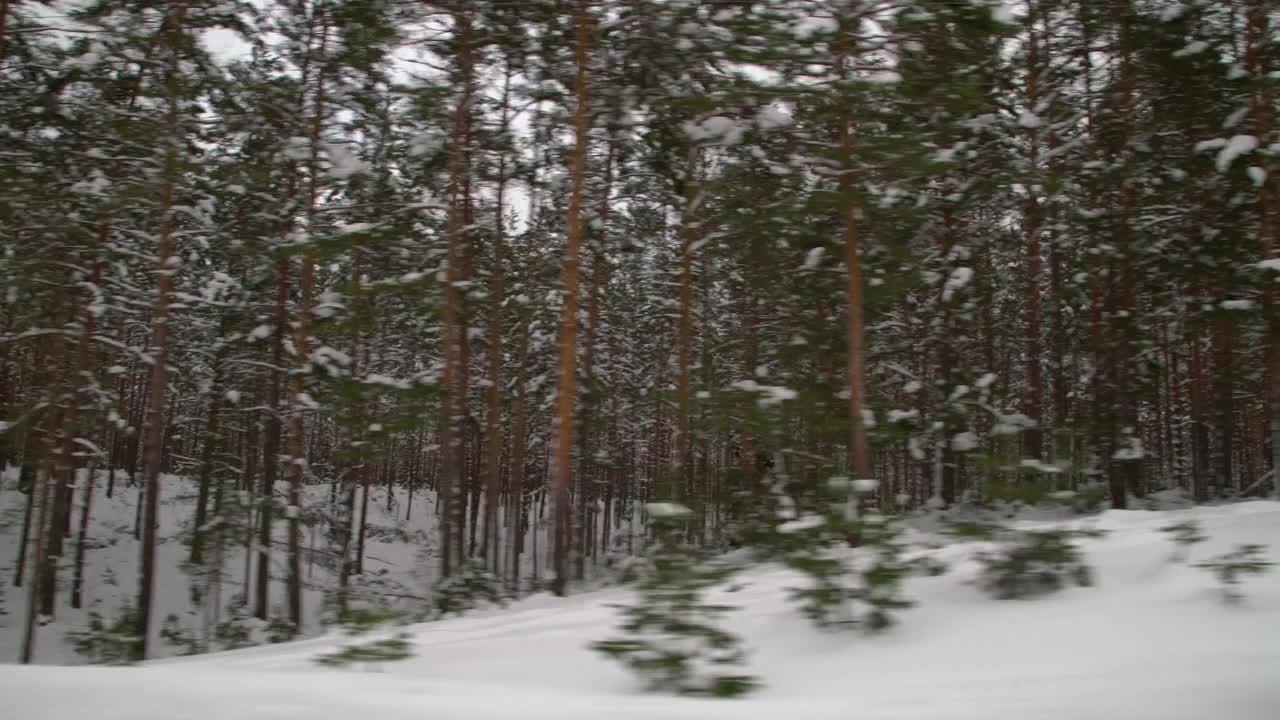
389	649
1035	562
104	644
280	630
233	634
881	569
1040	491
861	588
813	543
972	530
1184	535
173	632
363	621
471	587
359	621
1230	568
671	635
239	630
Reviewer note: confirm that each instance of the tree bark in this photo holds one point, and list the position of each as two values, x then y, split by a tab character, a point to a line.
155	428
452	495
859	452
568	350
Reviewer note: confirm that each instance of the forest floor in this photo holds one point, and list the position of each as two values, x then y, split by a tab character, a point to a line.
1151	639
399	564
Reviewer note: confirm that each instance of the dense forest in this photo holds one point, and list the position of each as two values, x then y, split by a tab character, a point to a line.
563	266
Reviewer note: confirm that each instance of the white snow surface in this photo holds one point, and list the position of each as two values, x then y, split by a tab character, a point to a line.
1151	641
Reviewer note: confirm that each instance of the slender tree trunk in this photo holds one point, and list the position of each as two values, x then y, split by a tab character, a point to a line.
585	480
271	444
519	433
1224	392
302	344
42	489
1199	430
350	469
65	463
682	466
1262	110
27	480
493	432
155	428
366	476
568	364
451	492
77	583
1033	397
859	451
1124	464
212	443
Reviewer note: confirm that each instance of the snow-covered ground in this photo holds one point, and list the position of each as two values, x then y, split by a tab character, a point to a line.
1151	640
399	561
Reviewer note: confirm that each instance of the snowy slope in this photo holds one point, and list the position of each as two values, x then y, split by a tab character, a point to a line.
1151	640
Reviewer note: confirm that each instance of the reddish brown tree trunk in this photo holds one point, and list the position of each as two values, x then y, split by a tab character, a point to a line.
568	365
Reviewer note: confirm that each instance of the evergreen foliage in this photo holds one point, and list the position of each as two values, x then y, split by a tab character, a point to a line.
372	653
671	633
359	622
1035	562
1184	535
1230	568
107	644
175	633
470	588
849	588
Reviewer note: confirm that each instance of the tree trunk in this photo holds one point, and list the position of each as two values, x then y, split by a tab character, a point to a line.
519	433
683	462
569	321
451	492
271	443
1033	397
212	443
493	432
859	452
1262	110
77	583
155	428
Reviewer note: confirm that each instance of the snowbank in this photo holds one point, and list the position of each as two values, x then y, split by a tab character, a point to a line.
1151	640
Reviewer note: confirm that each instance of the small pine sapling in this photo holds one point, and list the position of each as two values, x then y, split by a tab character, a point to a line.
238	630
371	654
973	530
173	632
280	630
470	588
1035	562
881	569
863	594
813	545
360	622
1230	568
104	644
671	634
1184	535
